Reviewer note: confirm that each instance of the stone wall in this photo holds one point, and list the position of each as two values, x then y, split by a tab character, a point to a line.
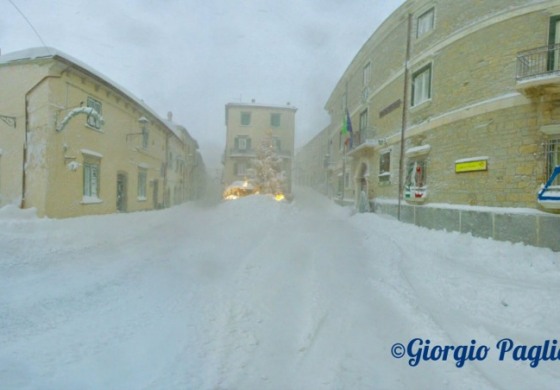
525	226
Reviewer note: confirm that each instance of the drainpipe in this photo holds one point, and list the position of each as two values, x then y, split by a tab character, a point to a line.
404	114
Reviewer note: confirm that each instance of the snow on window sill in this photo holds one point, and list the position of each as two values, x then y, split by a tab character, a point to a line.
91	200
418	151
551	129
422	104
384	179
142	199
91	153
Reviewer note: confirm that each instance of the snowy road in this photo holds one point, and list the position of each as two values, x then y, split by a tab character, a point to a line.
255	294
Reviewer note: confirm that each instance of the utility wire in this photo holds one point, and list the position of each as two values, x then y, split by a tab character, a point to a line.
28	22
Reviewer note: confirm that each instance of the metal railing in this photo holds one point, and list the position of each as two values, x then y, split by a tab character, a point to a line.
250	152
537	62
361	136
237	152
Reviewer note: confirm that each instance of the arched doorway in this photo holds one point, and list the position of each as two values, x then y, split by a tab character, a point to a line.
362	188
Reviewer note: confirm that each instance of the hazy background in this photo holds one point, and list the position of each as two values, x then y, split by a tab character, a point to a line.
192	57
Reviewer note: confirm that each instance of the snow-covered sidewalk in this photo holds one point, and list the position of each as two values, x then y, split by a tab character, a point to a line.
256	294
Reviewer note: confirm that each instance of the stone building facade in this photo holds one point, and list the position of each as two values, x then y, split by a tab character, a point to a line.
248	125
455	112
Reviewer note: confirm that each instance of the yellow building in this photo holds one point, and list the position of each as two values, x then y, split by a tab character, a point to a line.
455	118
247	127
184	163
74	143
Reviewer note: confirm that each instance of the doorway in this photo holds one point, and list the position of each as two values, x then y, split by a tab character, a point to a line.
155	194
121	192
362	188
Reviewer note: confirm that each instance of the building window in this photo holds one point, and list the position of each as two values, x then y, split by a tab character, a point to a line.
276	144
361	136
552	158
425	23
93	120
554	39
366	74
242	143
363	120
275	120
241	168
421	85
91	178
145	137
385	167
245	118
142	183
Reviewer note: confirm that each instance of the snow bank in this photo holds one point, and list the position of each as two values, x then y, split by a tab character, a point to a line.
259	294
14	212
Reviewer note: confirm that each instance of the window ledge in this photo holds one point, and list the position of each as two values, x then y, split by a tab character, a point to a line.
91	200
552	129
421	105
91	153
141	198
416	151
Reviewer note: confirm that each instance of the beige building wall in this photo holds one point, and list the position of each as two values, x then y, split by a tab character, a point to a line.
129	146
255	131
12	128
314	164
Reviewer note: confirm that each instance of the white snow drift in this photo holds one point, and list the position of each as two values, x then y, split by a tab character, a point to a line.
256	294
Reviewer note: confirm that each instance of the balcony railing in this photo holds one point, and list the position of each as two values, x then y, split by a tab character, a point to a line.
236	152
361	136
542	61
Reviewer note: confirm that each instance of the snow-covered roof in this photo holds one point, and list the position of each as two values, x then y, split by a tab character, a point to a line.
265	106
37	53
178	129
29	54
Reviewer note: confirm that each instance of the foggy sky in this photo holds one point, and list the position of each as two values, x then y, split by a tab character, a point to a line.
192	57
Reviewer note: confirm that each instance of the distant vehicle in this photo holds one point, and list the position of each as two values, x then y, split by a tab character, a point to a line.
239	189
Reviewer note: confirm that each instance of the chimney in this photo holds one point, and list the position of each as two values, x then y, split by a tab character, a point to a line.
169	116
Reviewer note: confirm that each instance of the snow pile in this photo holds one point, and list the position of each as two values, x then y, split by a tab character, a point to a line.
12	211
259	294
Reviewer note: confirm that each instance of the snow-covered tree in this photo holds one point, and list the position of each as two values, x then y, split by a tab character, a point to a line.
269	177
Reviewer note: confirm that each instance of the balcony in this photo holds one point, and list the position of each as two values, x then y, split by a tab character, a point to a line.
236	152
252	153
539	69
364	139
